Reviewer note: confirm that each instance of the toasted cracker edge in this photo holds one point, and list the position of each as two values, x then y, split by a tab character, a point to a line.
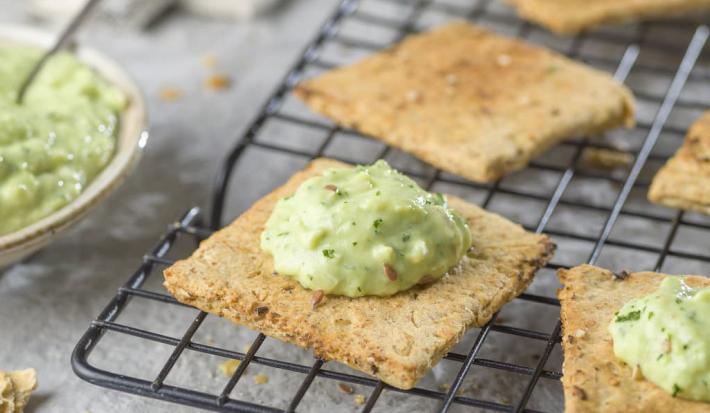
399	374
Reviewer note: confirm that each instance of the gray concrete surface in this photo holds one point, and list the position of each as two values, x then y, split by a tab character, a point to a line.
48	301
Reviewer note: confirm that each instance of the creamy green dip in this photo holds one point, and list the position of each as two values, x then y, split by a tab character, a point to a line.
367	230
667	336
58	140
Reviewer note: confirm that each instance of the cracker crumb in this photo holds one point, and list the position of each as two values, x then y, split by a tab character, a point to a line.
606	159
16	388
359	399
229	367
209	61
170	94
217	82
445	387
347	389
261	379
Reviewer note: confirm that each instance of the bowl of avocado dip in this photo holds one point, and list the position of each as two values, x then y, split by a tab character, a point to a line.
76	136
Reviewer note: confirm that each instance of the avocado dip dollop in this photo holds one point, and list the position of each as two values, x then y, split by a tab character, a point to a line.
57	140
367	230
666	335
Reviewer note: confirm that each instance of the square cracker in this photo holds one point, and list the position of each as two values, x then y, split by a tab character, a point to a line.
397	338
572	16
594	379
684	182
469	101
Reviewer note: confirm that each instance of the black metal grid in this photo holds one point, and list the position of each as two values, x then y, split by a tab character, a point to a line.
682	56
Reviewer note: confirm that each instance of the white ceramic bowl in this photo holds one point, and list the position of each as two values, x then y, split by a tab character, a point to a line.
132	138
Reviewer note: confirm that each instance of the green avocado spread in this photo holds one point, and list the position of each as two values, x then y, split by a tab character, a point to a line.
57	140
367	230
667	336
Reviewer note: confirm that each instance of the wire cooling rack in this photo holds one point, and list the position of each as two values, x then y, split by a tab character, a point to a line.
611	225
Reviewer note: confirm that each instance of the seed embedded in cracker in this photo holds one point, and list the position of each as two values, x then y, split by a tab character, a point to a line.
317	298
579	393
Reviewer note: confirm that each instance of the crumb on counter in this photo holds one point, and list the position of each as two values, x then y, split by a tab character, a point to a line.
345	388
209	61
607	159
229	367
359	399
170	94
15	389
261	379
217	82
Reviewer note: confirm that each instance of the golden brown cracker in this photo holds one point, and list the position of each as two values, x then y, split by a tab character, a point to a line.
469	101
572	16
397	338
684	182
594	379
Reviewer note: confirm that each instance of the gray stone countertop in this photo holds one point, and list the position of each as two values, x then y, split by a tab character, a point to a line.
48	301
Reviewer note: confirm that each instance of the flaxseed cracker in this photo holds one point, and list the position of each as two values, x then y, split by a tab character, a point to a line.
684	182
594	379
397	338
469	101
572	16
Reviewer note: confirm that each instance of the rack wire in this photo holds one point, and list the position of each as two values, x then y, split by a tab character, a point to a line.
677	68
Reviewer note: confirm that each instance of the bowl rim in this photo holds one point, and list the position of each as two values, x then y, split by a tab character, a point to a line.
131	139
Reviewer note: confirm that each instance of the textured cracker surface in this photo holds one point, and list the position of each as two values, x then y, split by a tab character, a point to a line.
398	338
684	182
469	101
15	389
594	379
572	16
